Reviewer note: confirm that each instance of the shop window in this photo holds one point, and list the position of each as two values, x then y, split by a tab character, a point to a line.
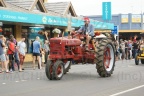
7	32
33	32
24	34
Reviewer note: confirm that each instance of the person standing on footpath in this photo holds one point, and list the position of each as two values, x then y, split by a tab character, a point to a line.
16	56
10	52
2	55
21	50
46	48
5	52
36	52
122	45
42	57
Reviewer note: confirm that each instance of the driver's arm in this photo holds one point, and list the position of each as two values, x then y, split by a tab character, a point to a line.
80	30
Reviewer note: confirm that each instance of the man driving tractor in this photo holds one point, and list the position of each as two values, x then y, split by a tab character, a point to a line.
88	30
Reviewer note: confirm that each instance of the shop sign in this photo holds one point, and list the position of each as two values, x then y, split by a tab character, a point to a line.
124	18
12	16
136	18
115	30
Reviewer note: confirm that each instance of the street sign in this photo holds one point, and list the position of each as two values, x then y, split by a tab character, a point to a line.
1	24
115	30
106	11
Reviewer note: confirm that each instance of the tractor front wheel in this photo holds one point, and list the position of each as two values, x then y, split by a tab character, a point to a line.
58	70
105	58
49	70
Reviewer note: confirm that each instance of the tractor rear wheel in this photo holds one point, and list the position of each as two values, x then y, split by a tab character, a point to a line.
142	61
58	70
137	59
105	58
67	66
49	70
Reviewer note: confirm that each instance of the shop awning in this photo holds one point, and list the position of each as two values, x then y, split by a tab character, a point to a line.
44	19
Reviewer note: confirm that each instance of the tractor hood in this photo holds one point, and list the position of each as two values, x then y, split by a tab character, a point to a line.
66	41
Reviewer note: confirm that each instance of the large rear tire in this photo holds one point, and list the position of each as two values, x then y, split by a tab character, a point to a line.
49	70
105	58
58	70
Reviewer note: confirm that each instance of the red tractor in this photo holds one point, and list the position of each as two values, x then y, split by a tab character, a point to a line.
64	50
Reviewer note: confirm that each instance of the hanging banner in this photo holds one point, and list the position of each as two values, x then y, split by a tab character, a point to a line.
106	11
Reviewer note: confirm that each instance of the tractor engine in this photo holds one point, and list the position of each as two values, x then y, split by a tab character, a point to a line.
62	48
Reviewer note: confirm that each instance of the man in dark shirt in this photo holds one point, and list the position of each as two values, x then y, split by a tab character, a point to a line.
135	48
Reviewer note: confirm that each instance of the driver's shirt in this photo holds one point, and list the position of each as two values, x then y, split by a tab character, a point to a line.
89	29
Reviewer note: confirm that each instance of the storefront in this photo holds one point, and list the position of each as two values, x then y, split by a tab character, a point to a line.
28	24
129	34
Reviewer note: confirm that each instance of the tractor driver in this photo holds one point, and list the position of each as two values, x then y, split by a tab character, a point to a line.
88	30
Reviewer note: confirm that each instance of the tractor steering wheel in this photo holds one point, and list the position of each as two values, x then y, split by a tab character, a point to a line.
78	35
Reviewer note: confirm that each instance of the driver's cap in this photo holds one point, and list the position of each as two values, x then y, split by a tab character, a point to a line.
86	19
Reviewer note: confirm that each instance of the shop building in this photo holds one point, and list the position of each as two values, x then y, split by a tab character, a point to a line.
24	18
129	24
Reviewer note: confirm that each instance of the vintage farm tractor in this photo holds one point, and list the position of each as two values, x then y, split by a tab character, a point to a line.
64	50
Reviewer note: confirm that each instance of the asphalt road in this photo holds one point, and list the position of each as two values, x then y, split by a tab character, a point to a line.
82	80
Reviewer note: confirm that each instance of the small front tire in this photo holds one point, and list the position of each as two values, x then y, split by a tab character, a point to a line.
49	70
58	70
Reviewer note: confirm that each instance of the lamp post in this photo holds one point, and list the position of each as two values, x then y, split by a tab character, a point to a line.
142	27
131	9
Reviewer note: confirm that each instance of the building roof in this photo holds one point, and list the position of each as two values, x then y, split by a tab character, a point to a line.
2	3
28	4
56	8
60	7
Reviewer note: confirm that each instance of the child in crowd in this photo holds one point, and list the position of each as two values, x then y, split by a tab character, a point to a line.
7	59
43	56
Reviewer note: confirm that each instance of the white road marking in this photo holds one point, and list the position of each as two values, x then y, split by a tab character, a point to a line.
3	83
130	66
16	81
38	78
127	90
23	80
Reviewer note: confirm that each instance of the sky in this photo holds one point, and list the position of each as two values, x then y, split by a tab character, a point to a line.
94	7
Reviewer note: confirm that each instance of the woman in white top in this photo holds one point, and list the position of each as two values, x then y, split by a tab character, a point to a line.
21	49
